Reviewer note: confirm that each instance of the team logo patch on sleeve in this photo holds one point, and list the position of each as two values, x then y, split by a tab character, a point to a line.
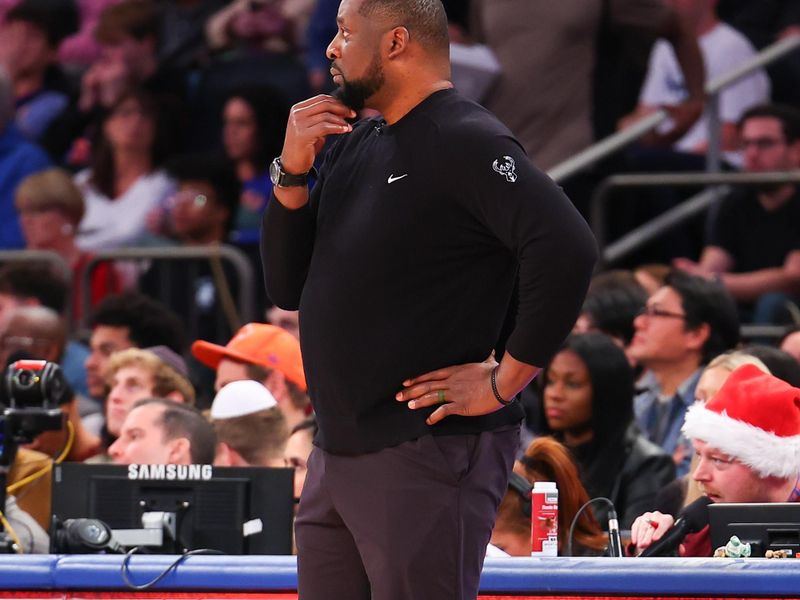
506	167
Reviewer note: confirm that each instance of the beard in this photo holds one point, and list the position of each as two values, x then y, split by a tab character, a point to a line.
354	94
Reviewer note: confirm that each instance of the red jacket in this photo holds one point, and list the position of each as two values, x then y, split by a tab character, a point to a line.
697	544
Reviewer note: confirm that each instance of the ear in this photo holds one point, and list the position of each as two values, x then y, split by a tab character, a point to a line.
179	452
276	384
222	456
698	336
236	459
176	396
228	457
397	41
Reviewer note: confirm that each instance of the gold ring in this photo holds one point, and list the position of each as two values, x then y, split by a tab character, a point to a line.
440	396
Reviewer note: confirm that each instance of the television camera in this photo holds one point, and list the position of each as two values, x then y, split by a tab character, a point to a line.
32	393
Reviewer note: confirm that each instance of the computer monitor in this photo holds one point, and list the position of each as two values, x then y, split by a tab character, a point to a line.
767	526
236	510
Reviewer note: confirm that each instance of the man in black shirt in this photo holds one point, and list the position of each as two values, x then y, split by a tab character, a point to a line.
754	238
403	262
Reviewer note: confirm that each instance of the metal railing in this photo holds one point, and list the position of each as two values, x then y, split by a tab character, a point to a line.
750	331
37	256
242	312
649	231
611	144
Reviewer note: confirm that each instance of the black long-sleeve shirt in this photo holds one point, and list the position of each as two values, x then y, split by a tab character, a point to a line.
405	259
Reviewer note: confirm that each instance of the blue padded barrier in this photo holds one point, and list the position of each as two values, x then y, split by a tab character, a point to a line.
657	576
229	573
32	571
612	576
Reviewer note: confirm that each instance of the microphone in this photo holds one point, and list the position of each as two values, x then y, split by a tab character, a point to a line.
693	518
614	542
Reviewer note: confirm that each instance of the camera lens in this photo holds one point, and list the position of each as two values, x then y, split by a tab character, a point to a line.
25	378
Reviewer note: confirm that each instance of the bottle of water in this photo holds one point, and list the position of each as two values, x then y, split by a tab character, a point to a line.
544	519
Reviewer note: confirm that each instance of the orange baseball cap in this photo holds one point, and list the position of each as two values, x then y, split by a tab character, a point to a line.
258	344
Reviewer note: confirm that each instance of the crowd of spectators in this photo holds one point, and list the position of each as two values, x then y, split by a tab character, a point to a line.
140	124
115	93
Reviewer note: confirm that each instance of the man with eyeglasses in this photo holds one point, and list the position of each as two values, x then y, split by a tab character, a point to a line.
198	214
203	206
683	325
753	246
746	441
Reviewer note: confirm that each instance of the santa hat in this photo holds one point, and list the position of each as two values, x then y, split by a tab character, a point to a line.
755	418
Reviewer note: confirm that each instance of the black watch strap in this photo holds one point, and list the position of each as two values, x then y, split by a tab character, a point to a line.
281	178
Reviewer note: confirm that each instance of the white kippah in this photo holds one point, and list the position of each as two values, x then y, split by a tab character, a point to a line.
240	398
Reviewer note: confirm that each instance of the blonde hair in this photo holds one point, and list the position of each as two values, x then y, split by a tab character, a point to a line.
730	361
51	189
165	379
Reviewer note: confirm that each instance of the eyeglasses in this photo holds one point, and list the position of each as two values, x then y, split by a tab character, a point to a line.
196	199
652	311
761	143
19	342
37	210
125	112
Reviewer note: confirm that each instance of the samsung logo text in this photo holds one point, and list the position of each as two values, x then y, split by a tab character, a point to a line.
170	472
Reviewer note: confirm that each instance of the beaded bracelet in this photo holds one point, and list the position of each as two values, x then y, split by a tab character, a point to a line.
497	395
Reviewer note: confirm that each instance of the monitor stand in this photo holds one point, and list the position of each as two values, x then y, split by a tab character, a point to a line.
159	527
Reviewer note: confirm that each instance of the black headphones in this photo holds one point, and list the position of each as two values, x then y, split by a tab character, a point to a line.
522	487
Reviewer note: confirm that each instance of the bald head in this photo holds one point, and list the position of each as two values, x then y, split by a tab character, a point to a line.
35	330
425	20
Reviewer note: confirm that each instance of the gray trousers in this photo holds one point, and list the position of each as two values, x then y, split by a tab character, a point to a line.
405	523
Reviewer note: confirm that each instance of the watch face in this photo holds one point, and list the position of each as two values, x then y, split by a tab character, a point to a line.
275	171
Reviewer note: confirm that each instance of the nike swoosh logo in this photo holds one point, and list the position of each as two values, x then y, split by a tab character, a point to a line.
392	178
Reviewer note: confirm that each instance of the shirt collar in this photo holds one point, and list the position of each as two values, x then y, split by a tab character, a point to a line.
649	383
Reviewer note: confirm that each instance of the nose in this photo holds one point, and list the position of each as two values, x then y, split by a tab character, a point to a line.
115	450
332	52
91	362
113	397
554	392
701	472
750	157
